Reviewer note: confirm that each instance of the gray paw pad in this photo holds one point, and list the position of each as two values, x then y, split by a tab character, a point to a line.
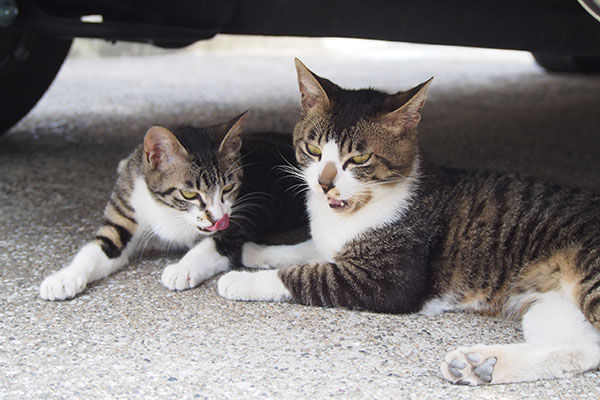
468	368
485	369
473	358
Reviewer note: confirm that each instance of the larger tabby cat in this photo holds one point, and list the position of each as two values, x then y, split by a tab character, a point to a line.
182	187
393	233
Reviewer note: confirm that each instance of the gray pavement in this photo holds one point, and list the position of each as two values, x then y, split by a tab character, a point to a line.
129	337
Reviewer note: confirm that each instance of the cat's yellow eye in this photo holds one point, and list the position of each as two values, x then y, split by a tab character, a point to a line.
188	194
313	150
361	159
228	188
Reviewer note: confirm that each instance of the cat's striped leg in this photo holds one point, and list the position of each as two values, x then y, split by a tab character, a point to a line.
108	252
268	257
559	342
351	283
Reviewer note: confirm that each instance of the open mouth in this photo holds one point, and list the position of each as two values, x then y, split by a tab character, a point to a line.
337	204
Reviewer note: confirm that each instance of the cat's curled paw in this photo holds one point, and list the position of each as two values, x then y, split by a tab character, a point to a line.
63	285
466	366
252	286
182	276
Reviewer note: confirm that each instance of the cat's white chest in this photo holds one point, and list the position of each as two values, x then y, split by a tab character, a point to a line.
331	230
163	221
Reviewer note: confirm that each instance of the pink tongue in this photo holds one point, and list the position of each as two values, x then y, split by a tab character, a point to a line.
220	225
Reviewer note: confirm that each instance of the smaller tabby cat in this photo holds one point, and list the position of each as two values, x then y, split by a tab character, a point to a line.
181	187
393	233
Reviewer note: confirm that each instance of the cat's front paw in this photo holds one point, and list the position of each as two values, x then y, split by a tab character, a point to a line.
252	286
467	366
182	276
63	285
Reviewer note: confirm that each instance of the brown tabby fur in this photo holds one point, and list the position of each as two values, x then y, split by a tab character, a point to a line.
393	233
485	239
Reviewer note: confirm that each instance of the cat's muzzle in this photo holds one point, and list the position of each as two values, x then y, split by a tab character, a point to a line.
220	225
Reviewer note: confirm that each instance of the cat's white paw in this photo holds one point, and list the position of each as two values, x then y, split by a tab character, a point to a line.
469	366
182	276
253	256
64	284
252	286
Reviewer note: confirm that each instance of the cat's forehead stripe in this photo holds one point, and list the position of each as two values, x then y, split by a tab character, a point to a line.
343	139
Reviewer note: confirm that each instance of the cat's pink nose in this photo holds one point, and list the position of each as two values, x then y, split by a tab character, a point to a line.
221	224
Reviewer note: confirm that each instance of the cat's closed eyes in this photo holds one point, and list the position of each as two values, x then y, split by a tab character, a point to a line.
189	188
393	233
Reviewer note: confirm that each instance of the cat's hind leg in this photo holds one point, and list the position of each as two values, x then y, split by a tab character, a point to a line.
559	342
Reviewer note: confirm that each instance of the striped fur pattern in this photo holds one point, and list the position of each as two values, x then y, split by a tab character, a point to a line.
447	240
184	189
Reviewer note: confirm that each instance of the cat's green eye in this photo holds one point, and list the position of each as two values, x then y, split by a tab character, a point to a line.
228	188
189	194
313	150
361	159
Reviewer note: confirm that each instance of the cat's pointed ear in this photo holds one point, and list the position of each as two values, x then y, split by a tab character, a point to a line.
407	107
232	140
314	95
162	149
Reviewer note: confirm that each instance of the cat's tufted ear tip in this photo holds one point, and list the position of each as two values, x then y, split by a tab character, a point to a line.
425	85
242	116
313	94
232	141
299	65
406	107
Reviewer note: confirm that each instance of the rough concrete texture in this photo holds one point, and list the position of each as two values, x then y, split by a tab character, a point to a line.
129	337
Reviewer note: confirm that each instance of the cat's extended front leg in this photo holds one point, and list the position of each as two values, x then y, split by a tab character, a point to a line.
350	283
282	256
316	284
202	262
91	263
115	241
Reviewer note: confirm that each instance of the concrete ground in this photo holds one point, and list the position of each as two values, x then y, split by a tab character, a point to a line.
129	337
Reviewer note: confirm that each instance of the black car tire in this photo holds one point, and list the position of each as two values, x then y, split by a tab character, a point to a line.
28	64
568	63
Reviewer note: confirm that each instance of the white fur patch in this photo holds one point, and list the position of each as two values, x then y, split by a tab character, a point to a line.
202	262
555	318
253	286
438	305
267	257
169	224
330	229
449	302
